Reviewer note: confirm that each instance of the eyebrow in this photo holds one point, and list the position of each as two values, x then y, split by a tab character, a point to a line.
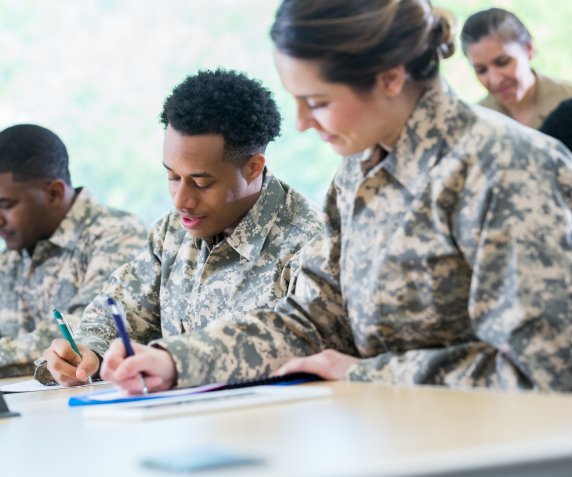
5	199
496	58
306	96
198	174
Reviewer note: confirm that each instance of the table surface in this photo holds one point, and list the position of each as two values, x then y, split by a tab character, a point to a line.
363	429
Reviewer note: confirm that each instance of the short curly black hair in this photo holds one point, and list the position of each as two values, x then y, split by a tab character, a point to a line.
225	102
558	124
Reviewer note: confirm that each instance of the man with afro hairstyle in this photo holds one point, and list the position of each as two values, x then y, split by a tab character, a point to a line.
230	245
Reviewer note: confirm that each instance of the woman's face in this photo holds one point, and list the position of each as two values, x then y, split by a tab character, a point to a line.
350	122
502	67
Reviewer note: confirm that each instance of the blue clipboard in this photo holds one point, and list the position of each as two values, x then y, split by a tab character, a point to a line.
86	400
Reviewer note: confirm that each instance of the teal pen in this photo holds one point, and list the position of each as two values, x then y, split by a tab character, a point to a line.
66	330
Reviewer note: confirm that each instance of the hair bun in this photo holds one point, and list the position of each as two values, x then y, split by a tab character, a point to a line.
445	25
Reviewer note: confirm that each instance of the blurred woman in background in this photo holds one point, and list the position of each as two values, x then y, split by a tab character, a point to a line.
500	48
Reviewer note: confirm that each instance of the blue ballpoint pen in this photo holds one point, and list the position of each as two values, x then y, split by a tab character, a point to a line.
119	324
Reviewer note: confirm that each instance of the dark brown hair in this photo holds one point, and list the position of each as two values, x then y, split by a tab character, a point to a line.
494	21
355	40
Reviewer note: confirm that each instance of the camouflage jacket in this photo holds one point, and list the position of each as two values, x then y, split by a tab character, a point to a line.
179	283
66	272
447	262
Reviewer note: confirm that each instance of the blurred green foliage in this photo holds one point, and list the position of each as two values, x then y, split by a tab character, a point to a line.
97	71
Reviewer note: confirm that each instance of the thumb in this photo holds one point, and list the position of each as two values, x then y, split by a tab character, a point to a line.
132	366
88	366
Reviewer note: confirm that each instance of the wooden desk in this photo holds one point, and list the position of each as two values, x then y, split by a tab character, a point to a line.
15	380
364	429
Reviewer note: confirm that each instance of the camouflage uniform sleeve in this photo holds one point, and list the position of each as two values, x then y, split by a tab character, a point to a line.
119	244
519	299
311	320
17	355
135	287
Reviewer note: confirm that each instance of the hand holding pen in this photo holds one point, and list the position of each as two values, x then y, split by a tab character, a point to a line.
120	325
68	335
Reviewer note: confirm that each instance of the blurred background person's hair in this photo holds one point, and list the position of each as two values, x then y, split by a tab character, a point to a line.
558	124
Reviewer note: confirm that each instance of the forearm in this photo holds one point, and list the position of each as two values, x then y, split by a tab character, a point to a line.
254	346
473	364
24	349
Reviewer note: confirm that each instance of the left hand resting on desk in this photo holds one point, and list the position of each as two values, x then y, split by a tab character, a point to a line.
125	373
329	364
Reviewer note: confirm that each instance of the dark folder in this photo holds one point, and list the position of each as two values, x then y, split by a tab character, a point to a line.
4	411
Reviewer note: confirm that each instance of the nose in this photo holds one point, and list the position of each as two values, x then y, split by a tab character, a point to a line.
304	118
2	221
495	77
184	197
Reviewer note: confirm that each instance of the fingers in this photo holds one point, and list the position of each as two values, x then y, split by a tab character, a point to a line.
328	364
64	350
133	366
112	358
298	365
125	372
135	386
88	365
63	372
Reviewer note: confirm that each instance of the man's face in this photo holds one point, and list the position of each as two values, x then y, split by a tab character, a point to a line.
24	207
210	195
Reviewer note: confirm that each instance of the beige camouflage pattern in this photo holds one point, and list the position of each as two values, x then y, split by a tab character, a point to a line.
65	272
448	262
179	283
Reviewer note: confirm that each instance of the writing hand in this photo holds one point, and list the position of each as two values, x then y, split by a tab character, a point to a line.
125	372
67	368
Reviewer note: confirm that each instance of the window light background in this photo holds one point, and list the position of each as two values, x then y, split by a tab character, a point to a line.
96	72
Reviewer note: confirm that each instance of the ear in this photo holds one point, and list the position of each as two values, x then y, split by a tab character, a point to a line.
530	50
254	167
56	192
390	83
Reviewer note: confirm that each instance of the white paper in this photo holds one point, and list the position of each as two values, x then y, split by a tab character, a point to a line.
206	402
114	395
33	386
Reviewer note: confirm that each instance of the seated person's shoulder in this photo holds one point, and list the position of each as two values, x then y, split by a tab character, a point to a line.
558	87
300	212
494	143
108	220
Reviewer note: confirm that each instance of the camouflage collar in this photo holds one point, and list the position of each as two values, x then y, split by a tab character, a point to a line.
70	228
419	146
249	236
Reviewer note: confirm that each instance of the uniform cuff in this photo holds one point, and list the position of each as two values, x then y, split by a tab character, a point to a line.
358	371
95	343
192	365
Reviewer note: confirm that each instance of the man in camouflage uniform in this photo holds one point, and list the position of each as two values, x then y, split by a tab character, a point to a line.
231	244
61	245
447	261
